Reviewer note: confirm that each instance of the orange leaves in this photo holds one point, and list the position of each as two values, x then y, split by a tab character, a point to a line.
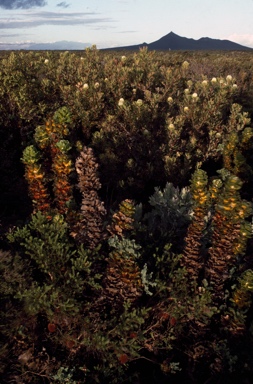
37	187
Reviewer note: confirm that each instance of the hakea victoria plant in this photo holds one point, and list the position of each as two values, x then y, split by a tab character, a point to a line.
192	257
230	233
35	176
54	151
62	167
219	219
123	282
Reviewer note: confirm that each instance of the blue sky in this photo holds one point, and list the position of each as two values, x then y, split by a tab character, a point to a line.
108	23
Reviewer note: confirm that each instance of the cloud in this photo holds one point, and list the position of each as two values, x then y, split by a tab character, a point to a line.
130	31
36	19
21	4
9	35
63	4
8	46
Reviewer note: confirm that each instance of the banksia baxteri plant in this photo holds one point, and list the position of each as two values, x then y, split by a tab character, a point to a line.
122	220
62	167
123	276
191	258
36	179
90	229
230	233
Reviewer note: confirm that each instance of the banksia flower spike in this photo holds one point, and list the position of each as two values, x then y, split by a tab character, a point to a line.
90	229
122	220
191	258
36	179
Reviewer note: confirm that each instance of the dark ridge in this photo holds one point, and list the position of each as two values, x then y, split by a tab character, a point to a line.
173	42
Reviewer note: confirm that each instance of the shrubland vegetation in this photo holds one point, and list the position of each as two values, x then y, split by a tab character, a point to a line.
126	217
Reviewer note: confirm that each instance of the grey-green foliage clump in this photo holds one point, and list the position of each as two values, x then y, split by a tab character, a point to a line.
127	246
170	213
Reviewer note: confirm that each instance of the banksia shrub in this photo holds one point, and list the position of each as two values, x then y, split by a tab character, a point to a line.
90	228
238	144
35	177
196	128
192	257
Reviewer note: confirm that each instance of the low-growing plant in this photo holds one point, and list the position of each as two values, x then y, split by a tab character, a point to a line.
135	263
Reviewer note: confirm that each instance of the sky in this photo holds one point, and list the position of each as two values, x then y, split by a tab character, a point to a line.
111	23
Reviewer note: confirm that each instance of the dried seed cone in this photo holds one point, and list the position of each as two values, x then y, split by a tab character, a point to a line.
90	229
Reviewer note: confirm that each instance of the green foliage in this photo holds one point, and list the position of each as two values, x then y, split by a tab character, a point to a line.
64	375
45	241
62	116
129	247
30	155
62	268
161	279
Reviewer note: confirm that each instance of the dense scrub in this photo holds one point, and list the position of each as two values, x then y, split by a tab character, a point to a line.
126	217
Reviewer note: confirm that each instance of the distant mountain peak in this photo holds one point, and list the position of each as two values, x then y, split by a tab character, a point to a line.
173	42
